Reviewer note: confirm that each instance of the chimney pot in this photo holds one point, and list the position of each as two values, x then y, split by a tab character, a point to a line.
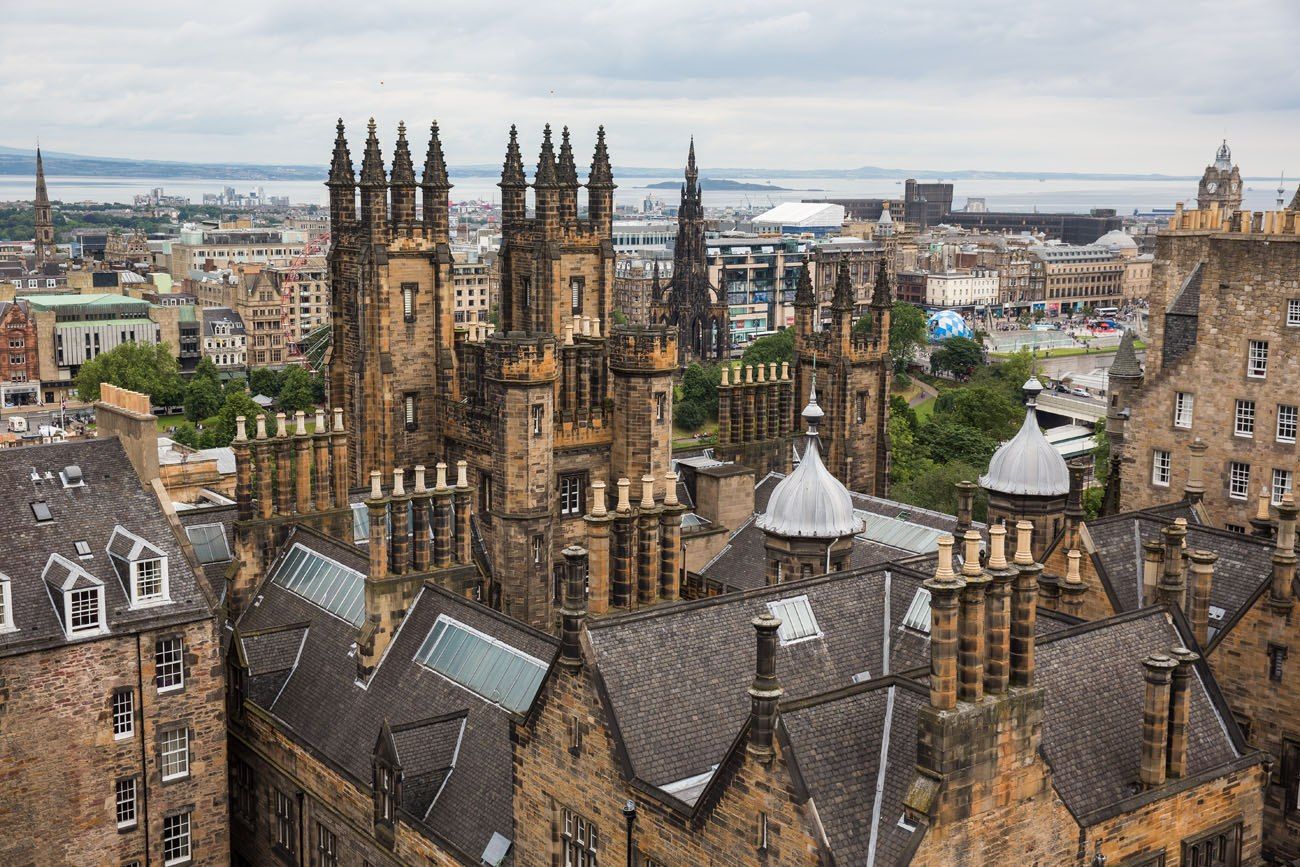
338	419
419	479
970	566
647	492
670	486
998	546
281	429
376	485
1072	575
598	499
1024	534
261	426
300	423
320	420
441	475
624	500
399	489
462	474
241	429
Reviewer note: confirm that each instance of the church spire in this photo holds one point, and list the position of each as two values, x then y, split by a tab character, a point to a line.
691	171
44	222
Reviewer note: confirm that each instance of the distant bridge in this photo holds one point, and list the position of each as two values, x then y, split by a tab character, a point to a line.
1079	410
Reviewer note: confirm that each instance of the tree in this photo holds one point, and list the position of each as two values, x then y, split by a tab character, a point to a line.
937	489
1008	376
949	440
297	392
906	333
776	347
143	367
237	404
700	386
907	458
689	416
981	407
1101	455
207	370
899	408
203	398
264	380
958	356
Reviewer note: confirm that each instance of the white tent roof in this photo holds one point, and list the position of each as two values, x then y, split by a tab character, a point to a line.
802	214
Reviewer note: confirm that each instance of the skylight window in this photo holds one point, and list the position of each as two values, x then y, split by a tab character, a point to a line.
797	620
209	543
1217	613
321	581
83	548
918	613
360	523
41	510
490	668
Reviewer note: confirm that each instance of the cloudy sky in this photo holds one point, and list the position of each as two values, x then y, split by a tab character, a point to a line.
1043	85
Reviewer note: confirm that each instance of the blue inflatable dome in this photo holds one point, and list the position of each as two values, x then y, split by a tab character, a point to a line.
943	324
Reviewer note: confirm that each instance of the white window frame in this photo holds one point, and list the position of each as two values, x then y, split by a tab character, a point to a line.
1184	407
579	839
70	597
1238	484
1243	419
1161	467
123	714
283	821
571	499
1282	481
179	683
1293	312
1257	359
176	830
174	751
6	606
1293	413
163	594
125	793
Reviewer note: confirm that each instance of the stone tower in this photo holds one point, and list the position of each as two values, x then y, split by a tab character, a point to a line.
1221	183
46	252
697	308
856	372
391	287
552	403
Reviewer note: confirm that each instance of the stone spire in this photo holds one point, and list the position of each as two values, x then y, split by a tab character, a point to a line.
44	218
372	163
546	173
341	172
568	172
602	175
843	296
403	173
1295	201
692	206
803	292
882	296
435	166
512	173
1126	362
692	173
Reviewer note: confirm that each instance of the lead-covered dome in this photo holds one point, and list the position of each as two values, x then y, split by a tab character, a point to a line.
810	502
1028	465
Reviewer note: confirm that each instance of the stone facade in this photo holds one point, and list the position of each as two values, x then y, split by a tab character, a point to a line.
1224	285
1221	183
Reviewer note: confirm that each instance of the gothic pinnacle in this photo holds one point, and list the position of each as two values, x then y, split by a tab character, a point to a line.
546	176
435	166
568	171
341	165
372	164
512	173
803	293
601	173
843	297
881	296
403	171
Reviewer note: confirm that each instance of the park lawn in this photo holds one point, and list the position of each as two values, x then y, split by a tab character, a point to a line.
924	410
1067	351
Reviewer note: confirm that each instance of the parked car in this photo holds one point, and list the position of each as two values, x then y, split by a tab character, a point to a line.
1080	392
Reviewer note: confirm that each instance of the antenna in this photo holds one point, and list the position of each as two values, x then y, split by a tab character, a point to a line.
1281	190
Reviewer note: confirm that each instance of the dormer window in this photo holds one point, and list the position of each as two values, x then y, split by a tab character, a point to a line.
141	566
85	610
147	578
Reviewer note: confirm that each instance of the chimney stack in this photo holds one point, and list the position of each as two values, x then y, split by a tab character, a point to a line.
463	508
965	508
1280	596
997	670
262	457
943	587
1024	607
302	454
574	609
621	557
970	663
377	506
420	522
671	556
647	540
1073	588
765	690
598	522
243	469
1198	606
283	466
1153	554
1074	503
1173	581
1194	490
321	448
400	547
339	460
1155	720
1179	711
1261	520
443	522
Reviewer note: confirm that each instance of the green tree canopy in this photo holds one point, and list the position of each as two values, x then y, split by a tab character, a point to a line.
899	408
205	369
937	489
776	347
949	440
906	333
958	356
297	391
264	380
143	367
203	398
237	404
689	416
981	407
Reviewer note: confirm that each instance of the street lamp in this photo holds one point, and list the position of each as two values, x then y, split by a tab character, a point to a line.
629	813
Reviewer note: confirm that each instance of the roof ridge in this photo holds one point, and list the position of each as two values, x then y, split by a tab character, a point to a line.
840	692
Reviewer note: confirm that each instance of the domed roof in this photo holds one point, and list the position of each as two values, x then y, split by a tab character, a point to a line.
1028	465
943	324
1116	238
810	502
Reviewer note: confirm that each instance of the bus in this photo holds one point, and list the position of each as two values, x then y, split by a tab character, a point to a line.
1106	312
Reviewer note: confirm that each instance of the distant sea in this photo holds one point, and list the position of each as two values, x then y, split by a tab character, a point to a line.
1000	195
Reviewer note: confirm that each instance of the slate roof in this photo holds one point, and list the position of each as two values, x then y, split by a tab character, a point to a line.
1243	567
476	797
1188	300
845	744
111	496
742	563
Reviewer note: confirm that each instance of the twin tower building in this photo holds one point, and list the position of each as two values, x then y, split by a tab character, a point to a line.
559	397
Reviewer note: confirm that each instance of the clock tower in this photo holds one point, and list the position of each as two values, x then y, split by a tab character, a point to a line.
1221	183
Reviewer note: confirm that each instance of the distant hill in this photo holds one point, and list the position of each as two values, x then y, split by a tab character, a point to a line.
718	184
21	162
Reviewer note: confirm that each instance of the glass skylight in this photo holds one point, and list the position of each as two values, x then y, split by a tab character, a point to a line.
321	581
797	620
918	613
482	664
209	541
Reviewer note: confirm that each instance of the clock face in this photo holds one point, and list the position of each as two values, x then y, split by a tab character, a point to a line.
1211	186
